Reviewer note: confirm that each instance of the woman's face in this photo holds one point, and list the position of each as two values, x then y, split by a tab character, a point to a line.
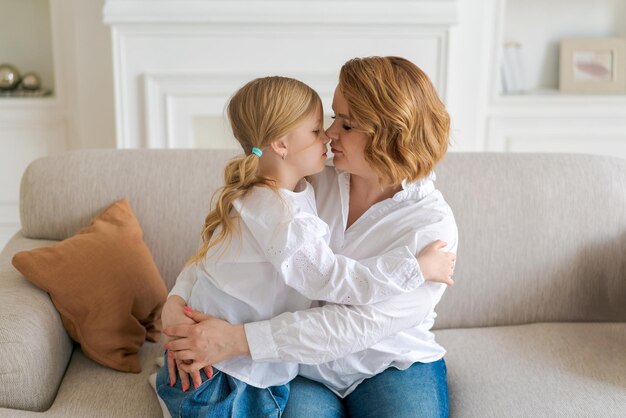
347	144
307	145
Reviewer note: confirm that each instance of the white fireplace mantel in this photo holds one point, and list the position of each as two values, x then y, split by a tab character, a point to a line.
435	12
176	62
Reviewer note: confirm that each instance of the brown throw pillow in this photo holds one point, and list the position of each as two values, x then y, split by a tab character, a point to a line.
104	283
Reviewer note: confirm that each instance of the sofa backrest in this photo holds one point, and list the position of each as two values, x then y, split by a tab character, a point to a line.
169	191
541	237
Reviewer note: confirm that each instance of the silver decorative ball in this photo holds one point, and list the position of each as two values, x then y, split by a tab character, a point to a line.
9	77
31	81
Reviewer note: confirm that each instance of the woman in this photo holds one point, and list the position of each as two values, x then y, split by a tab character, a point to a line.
389	132
264	250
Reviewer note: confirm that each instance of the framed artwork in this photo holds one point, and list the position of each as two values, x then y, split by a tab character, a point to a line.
593	65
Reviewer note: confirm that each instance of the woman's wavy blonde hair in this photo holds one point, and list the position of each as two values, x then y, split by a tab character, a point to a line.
395	103
260	112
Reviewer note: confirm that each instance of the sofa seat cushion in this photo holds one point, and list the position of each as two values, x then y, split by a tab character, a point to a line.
91	390
537	370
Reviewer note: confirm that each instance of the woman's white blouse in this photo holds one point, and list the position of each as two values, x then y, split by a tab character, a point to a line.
332	341
278	262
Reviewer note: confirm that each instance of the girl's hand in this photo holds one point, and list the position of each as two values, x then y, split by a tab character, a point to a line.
173	313
436	265
174	365
209	341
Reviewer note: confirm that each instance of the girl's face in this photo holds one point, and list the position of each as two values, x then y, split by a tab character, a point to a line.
307	145
347	144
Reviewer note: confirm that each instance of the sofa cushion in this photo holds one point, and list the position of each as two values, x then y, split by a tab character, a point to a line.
34	347
105	285
538	370
91	390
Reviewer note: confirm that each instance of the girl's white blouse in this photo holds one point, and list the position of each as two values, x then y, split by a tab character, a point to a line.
279	261
342	345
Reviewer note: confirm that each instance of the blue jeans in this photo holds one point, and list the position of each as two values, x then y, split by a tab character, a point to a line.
419	391
222	396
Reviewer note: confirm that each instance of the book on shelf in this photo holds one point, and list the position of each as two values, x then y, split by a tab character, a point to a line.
513	75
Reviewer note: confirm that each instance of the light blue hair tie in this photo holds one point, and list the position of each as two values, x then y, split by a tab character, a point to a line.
257	151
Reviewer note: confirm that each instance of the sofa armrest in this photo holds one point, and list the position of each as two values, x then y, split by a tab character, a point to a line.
34	347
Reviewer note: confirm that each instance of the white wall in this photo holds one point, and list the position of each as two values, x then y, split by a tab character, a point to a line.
89	76
92	84
89	62
468	75
88	73
467	79
83	114
175	62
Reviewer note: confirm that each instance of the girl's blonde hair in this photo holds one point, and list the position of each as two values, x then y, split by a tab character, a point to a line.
395	104
260	112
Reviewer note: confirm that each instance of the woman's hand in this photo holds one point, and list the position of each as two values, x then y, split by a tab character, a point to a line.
209	341
436	265
173	313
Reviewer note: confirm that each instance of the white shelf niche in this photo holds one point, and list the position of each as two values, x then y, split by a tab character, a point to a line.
539	26
26	30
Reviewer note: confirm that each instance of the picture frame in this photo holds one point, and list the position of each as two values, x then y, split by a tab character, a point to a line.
593	65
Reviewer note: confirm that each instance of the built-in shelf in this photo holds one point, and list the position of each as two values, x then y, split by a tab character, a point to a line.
16	102
544	119
538	26
543	98
26	31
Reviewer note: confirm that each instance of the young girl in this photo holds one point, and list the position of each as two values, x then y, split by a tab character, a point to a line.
265	251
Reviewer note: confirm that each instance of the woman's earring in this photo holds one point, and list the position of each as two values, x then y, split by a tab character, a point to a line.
283	158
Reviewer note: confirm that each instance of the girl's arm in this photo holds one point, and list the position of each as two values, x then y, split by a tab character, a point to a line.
319	335
297	246
184	283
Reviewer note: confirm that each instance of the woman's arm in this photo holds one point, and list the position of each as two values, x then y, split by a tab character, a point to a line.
319	335
312	336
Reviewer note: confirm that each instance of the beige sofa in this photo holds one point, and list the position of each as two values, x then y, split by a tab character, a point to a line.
534	327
